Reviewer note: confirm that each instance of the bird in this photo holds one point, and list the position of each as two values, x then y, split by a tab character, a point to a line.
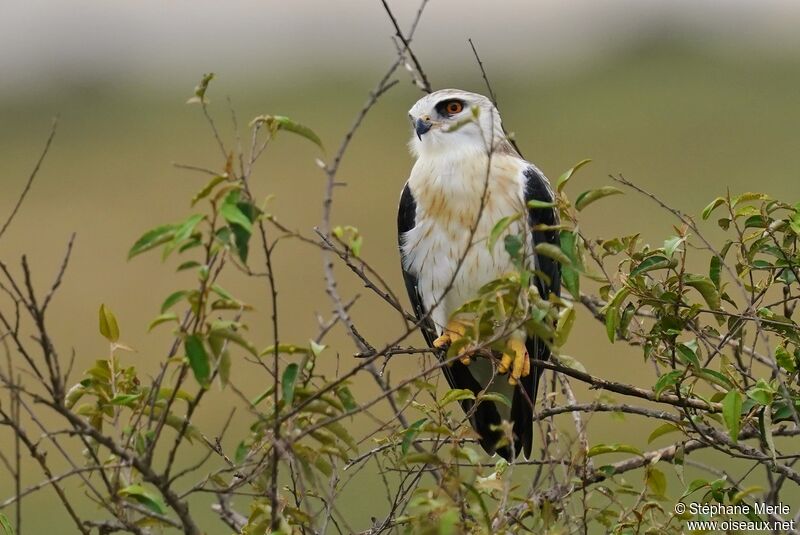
468	176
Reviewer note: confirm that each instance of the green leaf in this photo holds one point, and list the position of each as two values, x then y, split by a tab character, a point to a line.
714	376
207	189
108	325
280	122
422	457
173	298
571	362
588	197
612	448
667	380
200	90
342	434
448	522
149	499
569	275
456	394
755	221
706	287
498	229
243	213
553	251
228	334
224	368
611	311
749	196
513	246
536	203
651	263
5	523
182	232
732	413
234	215
347	399
355	245
785	359
563	179
287	383
458	125
687	353
494	396
612	322
714	269
189	264
657	481
411	432
152	238
782	410
662	430
712	206
794	223
566	319
672	244
262	396
222	292
321	464
162	318
316	349
747	491
625	319
198	358
125	399
760	394
241	452
166	393
694	486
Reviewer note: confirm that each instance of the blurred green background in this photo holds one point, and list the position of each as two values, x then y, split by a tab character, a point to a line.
686	99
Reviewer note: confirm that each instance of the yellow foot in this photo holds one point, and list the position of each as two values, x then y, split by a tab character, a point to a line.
515	358
452	333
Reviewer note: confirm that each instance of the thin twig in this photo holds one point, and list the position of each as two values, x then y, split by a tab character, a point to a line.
31	177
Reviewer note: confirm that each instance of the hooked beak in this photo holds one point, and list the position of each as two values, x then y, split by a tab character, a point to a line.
421	126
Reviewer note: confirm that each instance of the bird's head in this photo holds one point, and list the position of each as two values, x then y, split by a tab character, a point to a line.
452	120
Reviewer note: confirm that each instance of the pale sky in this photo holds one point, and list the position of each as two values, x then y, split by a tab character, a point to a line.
48	41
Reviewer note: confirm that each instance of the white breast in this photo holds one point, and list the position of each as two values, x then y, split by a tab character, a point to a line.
448	192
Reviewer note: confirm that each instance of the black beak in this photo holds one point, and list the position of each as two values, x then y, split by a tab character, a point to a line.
421	127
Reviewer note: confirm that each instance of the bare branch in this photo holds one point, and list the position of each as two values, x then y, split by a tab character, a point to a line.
31	178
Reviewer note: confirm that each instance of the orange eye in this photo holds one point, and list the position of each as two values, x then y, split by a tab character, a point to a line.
454	107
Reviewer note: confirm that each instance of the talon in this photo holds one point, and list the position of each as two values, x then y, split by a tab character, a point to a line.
517	354
465	360
442	342
452	333
505	363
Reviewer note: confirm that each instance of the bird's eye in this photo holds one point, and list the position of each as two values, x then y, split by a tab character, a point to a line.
450	107
454	107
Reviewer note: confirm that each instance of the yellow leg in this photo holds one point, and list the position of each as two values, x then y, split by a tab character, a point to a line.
452	333
515	357
505	362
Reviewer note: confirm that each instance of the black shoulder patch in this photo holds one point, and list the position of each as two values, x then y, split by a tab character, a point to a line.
406	214
536	188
